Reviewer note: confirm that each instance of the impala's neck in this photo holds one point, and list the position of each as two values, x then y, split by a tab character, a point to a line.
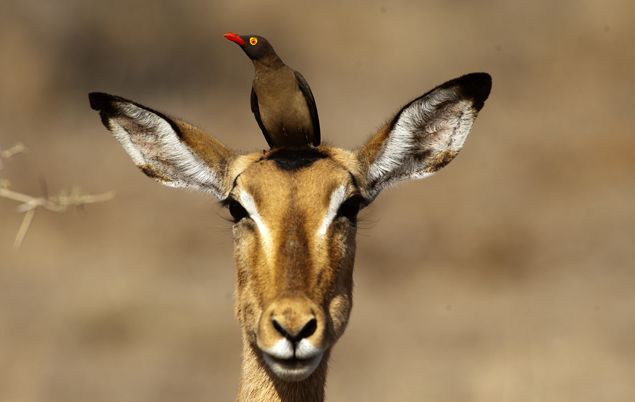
257	383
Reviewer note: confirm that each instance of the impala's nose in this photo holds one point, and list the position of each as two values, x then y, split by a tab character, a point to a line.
296	332
292	327
294	319
291	335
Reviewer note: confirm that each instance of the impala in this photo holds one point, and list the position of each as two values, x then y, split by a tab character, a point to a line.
294	212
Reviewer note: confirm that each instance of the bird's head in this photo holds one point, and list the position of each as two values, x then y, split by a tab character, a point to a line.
256	47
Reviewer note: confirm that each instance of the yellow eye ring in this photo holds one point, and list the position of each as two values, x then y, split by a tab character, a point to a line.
253	41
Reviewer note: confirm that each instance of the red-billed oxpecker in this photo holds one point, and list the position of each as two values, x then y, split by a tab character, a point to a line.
281	99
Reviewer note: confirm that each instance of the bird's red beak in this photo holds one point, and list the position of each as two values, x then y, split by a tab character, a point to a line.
234	38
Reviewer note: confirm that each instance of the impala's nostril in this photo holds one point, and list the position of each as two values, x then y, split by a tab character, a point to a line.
308	329
296	335
280	328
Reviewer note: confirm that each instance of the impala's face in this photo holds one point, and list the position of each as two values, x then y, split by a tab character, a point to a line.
294	243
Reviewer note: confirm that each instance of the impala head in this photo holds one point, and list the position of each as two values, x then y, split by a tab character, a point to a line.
295	210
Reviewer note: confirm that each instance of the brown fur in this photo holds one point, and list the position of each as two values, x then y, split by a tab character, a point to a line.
440	160
293	204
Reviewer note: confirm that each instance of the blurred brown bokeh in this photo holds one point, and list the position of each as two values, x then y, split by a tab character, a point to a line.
509	276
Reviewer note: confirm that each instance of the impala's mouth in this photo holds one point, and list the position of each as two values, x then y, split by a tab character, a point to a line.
293	369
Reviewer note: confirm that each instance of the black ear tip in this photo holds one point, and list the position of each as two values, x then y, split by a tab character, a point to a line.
99	100
476	86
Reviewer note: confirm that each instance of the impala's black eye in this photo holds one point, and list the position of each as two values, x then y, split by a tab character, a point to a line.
236	210
350	208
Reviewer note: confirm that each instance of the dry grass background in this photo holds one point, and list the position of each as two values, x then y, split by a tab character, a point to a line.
509	276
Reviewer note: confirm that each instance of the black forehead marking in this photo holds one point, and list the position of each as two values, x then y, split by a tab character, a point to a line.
295	159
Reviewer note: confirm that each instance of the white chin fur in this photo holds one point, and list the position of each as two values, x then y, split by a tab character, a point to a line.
283	349
292	370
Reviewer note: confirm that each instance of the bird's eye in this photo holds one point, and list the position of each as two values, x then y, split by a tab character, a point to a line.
237	211
253	41
350	208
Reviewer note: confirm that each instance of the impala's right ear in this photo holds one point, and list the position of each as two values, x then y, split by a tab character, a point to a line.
168	150
425	135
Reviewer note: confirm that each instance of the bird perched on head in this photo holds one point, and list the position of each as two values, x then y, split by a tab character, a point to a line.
281	99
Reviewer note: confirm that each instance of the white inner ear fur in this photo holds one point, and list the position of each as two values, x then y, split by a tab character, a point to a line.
247	201
337	197
156	145
422	125
124	139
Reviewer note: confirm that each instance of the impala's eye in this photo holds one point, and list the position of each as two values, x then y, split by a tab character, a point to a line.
237	211
350	208
253	41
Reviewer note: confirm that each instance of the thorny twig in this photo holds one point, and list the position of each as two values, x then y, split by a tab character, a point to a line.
9	152
56	203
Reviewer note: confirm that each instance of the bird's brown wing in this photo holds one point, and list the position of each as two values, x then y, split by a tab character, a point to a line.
256	111
310	101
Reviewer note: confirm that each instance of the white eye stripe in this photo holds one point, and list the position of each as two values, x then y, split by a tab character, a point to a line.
249	204
337	197
247	201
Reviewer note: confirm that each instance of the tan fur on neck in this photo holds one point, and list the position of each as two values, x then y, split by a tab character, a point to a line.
257	383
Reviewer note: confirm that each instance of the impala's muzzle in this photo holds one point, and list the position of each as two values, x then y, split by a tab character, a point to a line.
291	337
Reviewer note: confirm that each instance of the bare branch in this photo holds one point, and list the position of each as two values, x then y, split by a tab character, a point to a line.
14	150
56	203
24	227
9	152
59	202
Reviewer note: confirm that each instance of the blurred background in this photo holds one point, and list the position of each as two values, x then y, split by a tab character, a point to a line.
509	276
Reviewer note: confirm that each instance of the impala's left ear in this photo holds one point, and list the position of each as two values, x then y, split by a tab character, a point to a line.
168	150
425	135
